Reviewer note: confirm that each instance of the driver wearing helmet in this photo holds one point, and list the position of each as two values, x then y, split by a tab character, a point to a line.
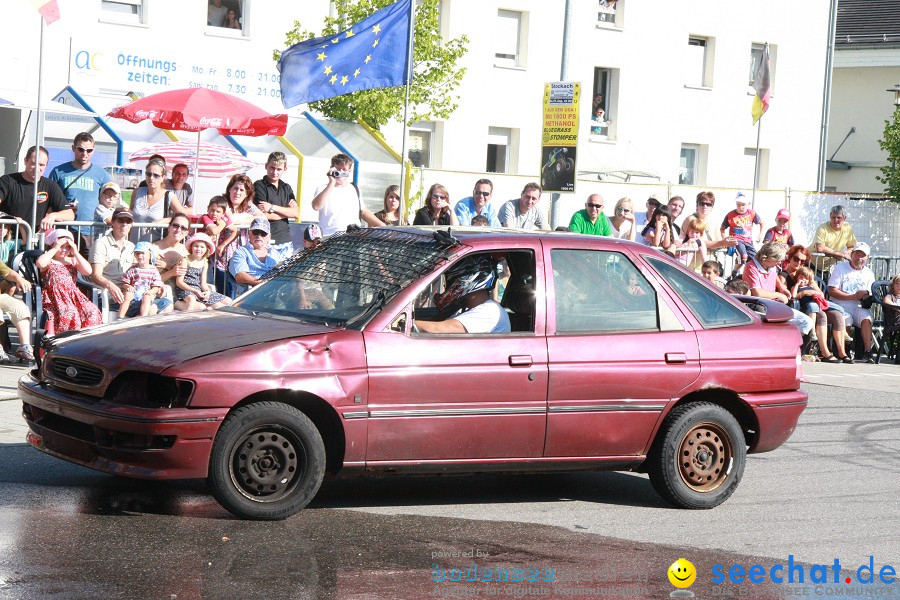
468	288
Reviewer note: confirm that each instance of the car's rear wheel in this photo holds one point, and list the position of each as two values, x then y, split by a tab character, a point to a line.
267	461
699	456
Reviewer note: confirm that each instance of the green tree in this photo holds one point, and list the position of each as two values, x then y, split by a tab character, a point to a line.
890	143
435	74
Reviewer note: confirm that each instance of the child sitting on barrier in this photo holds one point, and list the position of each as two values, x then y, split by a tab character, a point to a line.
691	251
142	285
193	291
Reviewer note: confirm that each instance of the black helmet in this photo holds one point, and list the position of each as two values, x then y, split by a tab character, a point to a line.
469	275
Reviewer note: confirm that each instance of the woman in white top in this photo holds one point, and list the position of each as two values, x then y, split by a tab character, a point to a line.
153	204
622	222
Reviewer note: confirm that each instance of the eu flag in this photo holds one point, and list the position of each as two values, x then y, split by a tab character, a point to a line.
371	54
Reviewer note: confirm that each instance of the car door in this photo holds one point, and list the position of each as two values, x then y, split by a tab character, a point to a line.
618	354
457	397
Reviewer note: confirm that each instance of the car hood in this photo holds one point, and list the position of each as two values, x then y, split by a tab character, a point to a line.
156	343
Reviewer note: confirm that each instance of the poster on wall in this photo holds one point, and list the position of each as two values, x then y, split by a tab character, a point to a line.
559	136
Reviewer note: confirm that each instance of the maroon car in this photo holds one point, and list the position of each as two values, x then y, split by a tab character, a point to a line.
615	357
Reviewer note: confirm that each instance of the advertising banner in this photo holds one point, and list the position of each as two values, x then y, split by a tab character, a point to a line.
559	137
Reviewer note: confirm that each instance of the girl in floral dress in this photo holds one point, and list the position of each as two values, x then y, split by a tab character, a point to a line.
67	308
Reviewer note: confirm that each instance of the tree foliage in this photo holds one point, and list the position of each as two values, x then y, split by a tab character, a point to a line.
890	143
435	74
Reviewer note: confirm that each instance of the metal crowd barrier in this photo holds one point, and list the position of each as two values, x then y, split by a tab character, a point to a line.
11	239
884	267
86	232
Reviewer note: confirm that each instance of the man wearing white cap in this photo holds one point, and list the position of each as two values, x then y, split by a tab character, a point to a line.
251	262
849	285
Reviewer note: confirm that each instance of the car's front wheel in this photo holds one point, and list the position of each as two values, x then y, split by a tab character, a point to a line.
699	457
267	461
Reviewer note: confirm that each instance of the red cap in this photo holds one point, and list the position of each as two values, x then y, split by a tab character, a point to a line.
783	214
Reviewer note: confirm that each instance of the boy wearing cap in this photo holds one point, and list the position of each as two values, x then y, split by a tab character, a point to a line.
741	221
143	286
849	285
780	233
110	198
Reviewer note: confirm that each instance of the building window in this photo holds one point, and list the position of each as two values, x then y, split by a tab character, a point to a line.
605	94
498	149
421	138
510	38
127	11
749	166
609	13
698	62
227	16
690	165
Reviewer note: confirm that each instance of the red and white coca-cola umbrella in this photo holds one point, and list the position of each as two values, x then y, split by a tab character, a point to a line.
209	160
197	109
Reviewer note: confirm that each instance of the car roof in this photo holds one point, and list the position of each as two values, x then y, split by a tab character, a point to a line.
483	236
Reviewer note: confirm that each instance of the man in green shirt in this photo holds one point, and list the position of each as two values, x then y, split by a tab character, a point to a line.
591	219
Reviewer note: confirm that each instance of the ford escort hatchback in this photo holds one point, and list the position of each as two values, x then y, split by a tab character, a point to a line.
617	358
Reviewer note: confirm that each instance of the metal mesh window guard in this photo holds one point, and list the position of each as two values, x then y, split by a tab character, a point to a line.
366	265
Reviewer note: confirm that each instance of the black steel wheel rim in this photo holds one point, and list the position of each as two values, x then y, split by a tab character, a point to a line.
267	463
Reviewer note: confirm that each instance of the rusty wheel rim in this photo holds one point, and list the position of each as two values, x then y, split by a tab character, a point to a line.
705	456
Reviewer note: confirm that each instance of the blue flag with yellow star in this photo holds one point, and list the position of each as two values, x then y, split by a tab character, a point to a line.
371	54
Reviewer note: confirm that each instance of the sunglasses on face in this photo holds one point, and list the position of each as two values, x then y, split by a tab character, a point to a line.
259	232
704	204
84	150
439	196
797	259
153	175
592	205
625	211
477	193
177	226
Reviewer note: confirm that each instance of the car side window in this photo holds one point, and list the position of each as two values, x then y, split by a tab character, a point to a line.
513	290
709	307
601	291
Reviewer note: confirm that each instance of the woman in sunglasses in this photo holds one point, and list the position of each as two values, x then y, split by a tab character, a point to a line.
153	204
798	256
170	250
622	221
437	208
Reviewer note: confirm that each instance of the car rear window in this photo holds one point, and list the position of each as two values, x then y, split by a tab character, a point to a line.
709	307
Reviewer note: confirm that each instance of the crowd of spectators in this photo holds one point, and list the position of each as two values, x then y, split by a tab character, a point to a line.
245	232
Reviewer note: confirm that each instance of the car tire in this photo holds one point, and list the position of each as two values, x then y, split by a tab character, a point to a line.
699	455
267	461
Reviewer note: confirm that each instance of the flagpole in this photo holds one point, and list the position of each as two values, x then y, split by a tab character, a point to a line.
38	134
756	165
409	73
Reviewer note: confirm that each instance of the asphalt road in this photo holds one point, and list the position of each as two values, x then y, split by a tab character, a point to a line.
830	493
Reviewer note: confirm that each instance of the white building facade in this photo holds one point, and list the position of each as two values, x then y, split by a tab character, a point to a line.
675	79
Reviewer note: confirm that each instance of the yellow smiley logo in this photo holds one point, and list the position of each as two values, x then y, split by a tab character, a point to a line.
682	573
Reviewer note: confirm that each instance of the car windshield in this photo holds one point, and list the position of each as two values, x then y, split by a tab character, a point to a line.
347	278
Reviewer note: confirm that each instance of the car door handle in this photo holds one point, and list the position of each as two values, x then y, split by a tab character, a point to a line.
676	358
520	360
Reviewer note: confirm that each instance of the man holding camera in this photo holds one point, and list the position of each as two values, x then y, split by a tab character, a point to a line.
338	202
275	198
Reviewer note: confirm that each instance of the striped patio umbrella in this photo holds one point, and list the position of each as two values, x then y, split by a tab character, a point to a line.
212	160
